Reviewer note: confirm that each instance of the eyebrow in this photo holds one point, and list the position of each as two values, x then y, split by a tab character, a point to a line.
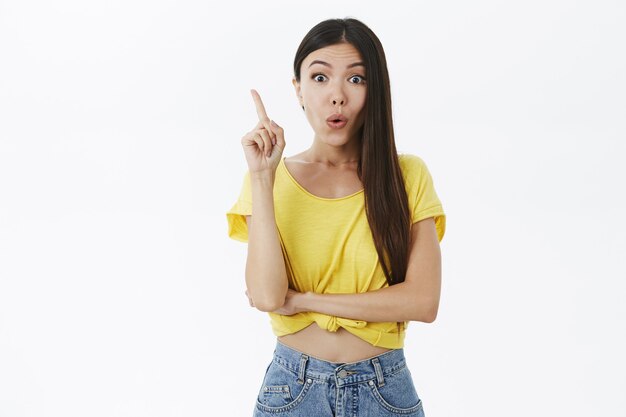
355	64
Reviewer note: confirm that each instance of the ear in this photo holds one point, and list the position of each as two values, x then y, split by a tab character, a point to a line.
296	85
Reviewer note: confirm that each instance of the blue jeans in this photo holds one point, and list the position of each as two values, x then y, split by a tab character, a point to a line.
298	385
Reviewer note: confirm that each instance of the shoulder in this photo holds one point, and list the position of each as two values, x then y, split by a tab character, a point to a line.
410	164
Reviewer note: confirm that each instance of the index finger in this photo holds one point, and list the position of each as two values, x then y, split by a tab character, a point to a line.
260	109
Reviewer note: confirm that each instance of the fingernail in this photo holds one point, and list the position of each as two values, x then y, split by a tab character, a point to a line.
274	141
274	123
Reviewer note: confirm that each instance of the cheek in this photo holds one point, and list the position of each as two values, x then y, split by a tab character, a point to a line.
363	97
312	105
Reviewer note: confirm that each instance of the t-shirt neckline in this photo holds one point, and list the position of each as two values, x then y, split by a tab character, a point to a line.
304	190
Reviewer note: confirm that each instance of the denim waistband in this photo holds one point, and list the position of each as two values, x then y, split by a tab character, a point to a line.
375	368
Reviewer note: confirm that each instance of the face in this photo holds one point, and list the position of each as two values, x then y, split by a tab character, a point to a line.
331	86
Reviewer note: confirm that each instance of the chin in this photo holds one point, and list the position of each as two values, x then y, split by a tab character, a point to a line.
336	140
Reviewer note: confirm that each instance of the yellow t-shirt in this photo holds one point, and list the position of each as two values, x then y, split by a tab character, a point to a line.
328	246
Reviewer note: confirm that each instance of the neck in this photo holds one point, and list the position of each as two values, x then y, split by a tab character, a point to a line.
320	152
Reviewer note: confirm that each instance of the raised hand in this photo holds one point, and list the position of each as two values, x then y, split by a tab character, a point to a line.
264	144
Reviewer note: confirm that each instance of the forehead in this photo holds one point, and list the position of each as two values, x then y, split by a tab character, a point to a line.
338	56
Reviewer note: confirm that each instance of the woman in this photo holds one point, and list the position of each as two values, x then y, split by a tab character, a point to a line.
343	238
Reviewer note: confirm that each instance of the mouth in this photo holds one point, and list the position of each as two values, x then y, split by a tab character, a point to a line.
337	117
337	123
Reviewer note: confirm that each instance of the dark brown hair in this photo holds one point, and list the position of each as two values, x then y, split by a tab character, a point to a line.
386	201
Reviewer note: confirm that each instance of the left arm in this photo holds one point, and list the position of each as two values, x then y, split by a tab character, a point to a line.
415	299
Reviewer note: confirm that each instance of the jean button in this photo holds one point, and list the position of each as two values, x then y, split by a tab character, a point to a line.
342	373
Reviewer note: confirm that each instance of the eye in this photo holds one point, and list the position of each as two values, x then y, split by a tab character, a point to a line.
358	76
314	77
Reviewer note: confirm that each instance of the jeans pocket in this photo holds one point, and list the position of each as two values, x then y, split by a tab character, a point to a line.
280	390
398	394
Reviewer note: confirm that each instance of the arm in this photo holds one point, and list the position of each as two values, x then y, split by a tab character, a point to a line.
415	299
266	275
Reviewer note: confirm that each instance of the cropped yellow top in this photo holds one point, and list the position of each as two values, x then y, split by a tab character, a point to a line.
328	246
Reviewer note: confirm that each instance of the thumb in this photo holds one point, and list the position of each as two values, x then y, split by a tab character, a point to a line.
280	137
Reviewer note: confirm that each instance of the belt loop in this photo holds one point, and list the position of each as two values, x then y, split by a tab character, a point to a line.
302	367
379	372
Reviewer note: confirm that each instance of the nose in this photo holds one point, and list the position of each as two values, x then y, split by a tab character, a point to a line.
337	96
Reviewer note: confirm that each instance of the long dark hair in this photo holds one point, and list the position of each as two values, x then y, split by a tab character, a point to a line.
386	201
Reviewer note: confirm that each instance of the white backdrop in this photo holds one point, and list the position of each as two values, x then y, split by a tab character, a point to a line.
120	129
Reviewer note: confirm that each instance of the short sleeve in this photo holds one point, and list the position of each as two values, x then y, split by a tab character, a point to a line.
423	199
236	216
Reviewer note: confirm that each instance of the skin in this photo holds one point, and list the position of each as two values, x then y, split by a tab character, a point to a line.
337	90
328	169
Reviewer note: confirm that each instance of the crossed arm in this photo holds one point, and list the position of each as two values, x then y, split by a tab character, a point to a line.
415	299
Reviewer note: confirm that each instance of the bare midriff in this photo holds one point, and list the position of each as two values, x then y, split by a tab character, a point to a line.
339	347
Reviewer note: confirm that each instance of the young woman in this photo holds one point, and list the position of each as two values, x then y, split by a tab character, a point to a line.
343	238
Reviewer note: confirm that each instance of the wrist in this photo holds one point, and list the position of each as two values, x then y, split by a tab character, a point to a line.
265	177
307	301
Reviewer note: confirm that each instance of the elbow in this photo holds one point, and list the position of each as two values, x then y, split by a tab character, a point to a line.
431	315
430	318
267	297
268	307
269	303
261	307
428	315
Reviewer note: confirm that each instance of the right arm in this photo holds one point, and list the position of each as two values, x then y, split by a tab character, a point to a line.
266	275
